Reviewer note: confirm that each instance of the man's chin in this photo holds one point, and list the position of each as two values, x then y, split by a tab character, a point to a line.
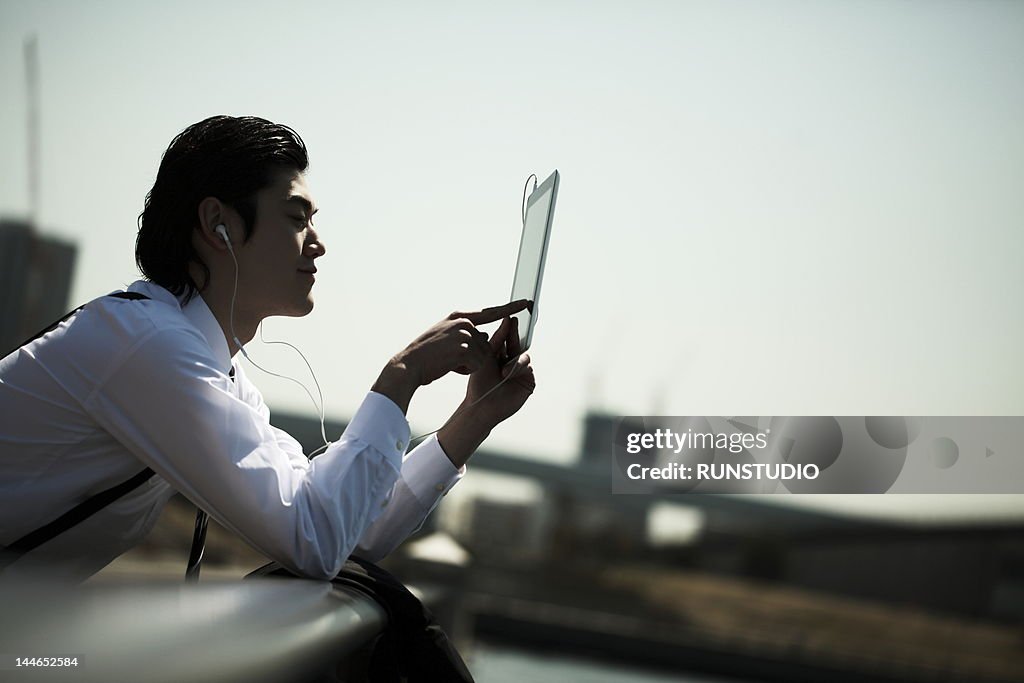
298	310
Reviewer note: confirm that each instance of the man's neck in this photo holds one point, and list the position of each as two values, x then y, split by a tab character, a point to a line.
244	324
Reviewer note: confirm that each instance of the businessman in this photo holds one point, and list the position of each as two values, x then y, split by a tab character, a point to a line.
141	394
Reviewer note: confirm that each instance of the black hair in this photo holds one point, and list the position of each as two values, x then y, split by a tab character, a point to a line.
230	158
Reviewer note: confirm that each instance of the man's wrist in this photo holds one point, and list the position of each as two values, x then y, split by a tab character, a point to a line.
460	438
397	382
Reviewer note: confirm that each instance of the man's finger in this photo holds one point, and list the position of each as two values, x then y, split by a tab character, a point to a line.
498	338
513	342
489	315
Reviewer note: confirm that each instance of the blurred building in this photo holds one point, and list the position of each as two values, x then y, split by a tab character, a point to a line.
599	435
35	281
971	571
505	531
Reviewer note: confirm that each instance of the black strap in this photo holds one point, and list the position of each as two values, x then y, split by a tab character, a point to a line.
195	555
120	295
72	517
86	508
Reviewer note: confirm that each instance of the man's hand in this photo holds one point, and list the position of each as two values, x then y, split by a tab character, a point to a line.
454	344
481	411
506	359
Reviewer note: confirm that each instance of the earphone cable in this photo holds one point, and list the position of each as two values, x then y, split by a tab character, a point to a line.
319	407
522	205
486	394
312	374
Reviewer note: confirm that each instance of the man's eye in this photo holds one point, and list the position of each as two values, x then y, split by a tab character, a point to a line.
301	220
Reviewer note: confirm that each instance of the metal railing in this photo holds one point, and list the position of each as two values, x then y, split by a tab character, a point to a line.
257	630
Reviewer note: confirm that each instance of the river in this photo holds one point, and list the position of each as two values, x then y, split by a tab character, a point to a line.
492	663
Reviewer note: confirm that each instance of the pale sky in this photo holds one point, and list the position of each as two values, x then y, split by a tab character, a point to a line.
767	207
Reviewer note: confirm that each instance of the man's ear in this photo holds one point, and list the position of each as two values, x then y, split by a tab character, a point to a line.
212	213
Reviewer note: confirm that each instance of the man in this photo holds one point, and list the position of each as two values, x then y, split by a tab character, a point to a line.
227	239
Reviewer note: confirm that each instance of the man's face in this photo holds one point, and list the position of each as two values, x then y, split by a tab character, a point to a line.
275	267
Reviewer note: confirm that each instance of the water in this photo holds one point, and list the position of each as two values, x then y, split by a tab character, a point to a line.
500	664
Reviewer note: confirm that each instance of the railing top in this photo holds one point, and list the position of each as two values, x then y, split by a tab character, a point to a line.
268	629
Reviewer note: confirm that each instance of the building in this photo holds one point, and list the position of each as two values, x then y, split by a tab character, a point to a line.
35	281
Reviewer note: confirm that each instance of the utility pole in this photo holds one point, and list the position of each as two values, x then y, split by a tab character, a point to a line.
32	86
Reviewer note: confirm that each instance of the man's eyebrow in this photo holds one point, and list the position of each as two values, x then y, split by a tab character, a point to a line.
302	201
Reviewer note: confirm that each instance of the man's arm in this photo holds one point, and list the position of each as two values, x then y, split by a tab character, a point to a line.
463	434
168	404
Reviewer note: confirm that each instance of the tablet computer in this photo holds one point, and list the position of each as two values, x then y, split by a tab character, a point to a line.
533	248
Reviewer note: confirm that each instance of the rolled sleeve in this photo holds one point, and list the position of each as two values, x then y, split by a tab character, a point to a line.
430	474
427	475
380	423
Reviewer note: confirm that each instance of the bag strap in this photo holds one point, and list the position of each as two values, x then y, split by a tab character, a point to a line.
88	507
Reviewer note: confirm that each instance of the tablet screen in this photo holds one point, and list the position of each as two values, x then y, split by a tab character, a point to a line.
532	250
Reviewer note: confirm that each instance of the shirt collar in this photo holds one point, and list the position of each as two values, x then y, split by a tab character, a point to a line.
198	313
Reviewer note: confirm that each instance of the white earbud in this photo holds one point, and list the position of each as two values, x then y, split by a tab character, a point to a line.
223	232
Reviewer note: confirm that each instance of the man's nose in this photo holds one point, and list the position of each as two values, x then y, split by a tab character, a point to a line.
315	247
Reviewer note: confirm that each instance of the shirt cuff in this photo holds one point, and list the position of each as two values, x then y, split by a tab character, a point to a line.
381	424
429	473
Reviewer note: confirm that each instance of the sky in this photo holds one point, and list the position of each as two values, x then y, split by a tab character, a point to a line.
766	208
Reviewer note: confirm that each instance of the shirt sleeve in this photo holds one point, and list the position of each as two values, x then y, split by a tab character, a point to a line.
173	409
427	475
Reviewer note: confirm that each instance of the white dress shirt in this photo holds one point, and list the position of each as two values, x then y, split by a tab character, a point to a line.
127	384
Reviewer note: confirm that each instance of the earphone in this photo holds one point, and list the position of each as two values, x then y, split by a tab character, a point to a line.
223	232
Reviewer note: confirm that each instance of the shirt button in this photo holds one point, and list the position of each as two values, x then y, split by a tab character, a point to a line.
384	504
398	445
439	487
